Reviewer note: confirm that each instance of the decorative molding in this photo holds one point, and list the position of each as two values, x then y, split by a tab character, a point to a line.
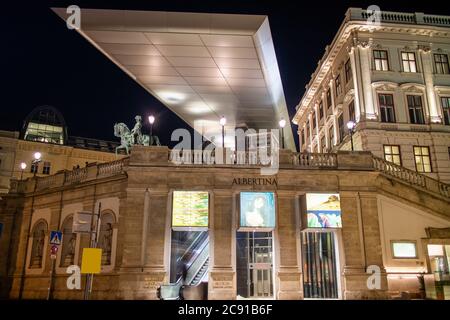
424	48
413	88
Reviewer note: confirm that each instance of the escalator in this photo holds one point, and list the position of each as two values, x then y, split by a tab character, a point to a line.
189	257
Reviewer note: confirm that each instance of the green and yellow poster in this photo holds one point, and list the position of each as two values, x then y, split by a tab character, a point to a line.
190	209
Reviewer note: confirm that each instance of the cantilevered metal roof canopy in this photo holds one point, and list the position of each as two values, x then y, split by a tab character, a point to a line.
201	66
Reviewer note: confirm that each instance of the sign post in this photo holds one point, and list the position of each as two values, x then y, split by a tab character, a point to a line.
84	222
94	241
55	242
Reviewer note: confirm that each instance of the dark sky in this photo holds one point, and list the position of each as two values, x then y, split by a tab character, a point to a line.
42	62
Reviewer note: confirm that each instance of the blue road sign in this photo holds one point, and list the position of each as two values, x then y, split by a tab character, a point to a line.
55	237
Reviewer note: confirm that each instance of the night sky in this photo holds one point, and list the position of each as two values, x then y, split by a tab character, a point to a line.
44	63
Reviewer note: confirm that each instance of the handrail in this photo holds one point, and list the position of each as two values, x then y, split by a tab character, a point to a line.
411	177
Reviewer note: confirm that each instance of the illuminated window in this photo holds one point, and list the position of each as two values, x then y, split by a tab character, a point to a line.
392	154
404	249
445	102
422	159
441	63
45	124
387	112
381	61
415	109
44	133
409	62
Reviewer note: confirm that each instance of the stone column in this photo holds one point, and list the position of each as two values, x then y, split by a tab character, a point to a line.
427	65
288	272
356	83
310	133
362	245
366	79
143	265
221	274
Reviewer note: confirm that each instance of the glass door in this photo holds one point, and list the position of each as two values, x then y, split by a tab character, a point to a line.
254	264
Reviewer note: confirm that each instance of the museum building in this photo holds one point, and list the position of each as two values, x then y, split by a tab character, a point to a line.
314	231
335	225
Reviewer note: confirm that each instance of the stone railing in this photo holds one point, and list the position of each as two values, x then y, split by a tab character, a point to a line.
318	160
411	177
47	182
217	156
400	17
63	178
76	176
110	168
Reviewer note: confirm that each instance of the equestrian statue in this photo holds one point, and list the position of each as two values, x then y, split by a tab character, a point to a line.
134	137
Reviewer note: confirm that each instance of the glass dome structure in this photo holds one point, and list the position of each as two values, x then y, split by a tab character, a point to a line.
45	124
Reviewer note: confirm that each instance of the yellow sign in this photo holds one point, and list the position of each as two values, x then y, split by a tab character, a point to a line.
91	261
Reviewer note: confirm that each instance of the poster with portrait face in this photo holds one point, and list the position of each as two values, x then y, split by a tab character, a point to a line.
257	210
323	210
190	209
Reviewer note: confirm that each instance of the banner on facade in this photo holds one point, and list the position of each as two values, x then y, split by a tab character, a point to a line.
323	210
257	210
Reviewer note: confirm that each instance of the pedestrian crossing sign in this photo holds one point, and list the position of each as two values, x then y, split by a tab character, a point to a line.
55	237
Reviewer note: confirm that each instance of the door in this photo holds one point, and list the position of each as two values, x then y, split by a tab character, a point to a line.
255	264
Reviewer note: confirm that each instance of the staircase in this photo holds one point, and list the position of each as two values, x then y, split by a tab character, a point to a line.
412	177
200	274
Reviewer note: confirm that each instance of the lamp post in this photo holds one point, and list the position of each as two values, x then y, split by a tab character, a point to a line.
282	124
23	166
151	119
35	163
351	128
222	122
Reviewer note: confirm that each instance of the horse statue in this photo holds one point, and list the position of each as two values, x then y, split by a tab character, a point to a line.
129	138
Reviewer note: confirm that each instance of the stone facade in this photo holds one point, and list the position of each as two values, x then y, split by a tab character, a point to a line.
138	192
14	151
348	83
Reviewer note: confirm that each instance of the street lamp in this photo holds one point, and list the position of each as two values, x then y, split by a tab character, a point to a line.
351	128
151	119
282	124
222	122
35	163
23	166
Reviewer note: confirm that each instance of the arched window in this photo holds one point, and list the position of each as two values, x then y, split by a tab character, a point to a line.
37	248
68	245
106	237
